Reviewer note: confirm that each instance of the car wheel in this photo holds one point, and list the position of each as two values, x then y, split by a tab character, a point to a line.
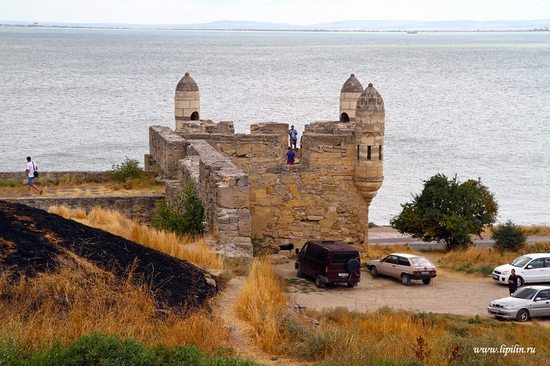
299	272
523	315
319	282
374	271
520	281
405	279
353	265
426	281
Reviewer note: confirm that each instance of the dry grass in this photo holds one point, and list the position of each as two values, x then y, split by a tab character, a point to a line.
261	302
194	251
80	299
530	230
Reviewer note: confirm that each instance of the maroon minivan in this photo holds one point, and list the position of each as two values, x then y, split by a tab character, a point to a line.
329	262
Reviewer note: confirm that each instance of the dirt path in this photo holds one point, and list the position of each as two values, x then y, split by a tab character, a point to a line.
242	334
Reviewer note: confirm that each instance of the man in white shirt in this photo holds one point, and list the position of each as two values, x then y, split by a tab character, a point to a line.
31	167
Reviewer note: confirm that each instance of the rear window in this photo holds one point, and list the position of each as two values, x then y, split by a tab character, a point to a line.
342	258
421	262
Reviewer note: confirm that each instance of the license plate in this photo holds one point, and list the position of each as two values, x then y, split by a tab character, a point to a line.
495	277
343	274
494	311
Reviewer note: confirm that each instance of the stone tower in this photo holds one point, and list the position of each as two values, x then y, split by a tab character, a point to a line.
370	119
349	94
187	101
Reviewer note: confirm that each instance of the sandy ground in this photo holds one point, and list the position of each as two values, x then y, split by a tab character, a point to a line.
446	294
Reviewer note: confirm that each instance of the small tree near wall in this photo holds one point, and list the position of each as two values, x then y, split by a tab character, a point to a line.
185	216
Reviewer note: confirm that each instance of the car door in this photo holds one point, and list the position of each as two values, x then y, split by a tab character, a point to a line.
541	304
547	269
387	265
534	271
403	266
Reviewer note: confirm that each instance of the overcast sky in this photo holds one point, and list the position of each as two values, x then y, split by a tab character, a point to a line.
301	12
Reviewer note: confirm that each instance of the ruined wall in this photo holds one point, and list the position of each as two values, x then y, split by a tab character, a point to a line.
222	187
166	148
138	208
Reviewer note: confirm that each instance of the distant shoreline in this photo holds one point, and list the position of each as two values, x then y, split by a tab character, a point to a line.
408	31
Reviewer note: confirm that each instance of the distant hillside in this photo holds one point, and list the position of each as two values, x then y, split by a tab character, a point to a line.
352	25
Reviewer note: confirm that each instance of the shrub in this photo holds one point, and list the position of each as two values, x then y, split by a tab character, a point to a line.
126	171
184	216
508	236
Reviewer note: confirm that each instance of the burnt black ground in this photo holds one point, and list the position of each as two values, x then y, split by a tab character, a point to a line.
32	241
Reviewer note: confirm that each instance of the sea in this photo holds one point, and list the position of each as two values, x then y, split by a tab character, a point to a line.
475	105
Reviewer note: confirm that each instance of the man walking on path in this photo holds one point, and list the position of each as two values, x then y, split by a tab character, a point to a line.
31	167
293	137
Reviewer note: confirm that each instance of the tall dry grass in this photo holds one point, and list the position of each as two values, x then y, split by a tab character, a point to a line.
195	251
261	302
80	299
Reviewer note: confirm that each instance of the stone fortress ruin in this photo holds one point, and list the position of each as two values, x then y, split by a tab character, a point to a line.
248	190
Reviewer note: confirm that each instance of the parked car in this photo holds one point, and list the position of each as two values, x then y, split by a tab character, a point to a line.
525	303
530	268
404	266
329	262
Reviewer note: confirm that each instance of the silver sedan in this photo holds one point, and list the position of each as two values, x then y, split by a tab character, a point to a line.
522	305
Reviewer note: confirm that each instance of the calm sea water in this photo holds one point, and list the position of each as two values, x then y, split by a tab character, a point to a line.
475	105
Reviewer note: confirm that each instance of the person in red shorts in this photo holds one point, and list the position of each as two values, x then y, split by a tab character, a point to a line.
290	155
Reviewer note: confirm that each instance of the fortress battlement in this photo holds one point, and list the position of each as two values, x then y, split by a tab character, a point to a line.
249	191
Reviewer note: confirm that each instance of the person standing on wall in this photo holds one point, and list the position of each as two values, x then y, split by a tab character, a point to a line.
290	155
31	169
513	282
293	137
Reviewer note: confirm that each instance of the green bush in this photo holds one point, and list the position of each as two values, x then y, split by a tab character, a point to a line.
126	171
99	349
508	236
185	216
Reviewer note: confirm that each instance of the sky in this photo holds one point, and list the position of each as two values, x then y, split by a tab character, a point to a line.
301	12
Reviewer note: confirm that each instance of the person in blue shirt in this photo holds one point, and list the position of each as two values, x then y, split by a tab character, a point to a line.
293	137
290	155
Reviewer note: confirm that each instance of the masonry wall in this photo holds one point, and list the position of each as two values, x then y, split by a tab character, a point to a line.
248	189
222	187
138	208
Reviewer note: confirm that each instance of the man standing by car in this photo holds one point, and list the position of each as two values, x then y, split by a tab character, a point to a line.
513	282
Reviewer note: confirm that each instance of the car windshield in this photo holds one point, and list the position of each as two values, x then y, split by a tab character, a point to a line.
421	262
521	261
524	293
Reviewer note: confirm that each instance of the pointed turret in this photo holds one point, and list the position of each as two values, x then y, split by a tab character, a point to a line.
350	92
187	101
370	119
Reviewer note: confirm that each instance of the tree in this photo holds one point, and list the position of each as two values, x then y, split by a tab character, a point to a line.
447	211
184	216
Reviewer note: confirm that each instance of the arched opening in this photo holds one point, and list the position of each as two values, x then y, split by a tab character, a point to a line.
195	116
344	118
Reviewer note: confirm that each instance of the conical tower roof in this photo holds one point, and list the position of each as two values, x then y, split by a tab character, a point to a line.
370	100
187	84
352	85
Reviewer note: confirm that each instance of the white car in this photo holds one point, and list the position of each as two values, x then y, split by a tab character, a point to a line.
530	268
525	303
404	266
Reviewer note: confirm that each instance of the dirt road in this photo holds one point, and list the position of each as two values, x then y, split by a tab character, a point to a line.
448	293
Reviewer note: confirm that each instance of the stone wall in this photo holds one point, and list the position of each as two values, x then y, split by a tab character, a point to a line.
138	208
166	148
222	187
248	189
73	176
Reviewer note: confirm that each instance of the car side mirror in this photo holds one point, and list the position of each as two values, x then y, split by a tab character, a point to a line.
297	251
537	299
529	266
